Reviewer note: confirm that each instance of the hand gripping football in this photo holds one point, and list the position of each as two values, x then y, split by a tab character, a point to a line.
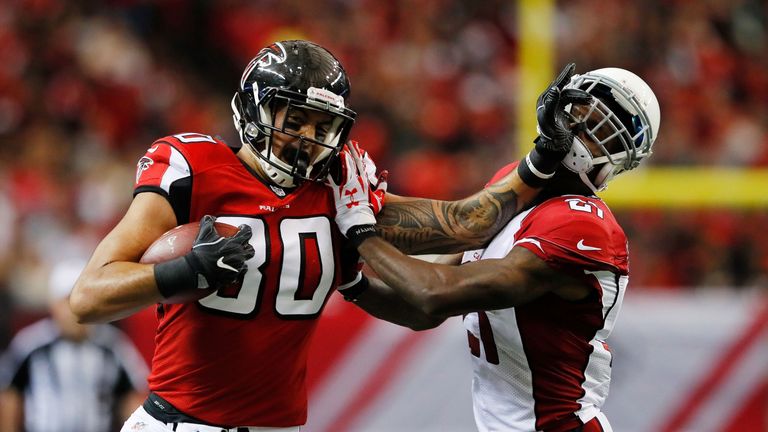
178	242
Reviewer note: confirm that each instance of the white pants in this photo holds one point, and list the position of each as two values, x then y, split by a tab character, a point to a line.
141	421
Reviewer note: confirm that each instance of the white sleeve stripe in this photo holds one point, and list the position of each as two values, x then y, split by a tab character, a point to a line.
529	240
178	168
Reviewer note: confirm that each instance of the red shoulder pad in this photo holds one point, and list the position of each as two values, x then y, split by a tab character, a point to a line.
575	232
160	166
171	158
188	138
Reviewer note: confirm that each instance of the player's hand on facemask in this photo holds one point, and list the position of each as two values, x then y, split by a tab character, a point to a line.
354	212
213	262
552	122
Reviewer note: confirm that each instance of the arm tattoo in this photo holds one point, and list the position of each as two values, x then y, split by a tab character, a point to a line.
421	226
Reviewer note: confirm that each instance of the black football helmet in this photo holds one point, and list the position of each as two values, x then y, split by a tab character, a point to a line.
293	73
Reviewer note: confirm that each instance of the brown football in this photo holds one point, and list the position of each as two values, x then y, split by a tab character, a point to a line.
177	242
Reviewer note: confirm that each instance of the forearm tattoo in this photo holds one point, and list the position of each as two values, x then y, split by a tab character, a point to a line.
422	226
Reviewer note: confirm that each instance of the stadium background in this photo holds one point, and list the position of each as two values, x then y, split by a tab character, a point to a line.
445	92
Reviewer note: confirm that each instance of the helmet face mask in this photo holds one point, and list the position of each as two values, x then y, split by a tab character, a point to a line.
289	77
622	123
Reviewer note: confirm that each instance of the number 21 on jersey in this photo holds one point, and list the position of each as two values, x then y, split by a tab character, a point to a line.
486	338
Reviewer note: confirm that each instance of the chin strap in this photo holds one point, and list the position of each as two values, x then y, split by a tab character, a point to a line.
276	176
581	161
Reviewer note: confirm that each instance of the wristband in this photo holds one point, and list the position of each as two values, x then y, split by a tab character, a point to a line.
358	233
352	293
175	276
535	170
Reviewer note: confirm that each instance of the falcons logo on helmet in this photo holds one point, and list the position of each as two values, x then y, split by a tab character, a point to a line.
274	53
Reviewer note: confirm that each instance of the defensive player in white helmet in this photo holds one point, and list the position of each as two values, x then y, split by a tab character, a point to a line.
541	298
237	357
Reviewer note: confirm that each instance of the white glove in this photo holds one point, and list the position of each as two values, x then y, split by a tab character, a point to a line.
351	194
377	184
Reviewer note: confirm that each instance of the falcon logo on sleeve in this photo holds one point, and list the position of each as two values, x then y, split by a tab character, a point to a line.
143	165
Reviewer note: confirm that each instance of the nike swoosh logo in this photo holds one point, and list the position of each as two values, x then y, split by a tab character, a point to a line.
153	149
224	265
581	246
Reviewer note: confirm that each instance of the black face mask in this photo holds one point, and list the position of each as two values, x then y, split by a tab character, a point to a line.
298	158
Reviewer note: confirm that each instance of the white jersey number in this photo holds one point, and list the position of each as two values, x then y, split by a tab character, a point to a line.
295	236
578	204
192	137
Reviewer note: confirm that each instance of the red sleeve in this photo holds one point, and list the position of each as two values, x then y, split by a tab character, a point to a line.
506	169
161	166
575	234
166	169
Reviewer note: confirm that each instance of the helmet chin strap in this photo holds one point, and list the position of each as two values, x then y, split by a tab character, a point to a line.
581	161
283	178
602	178
275	175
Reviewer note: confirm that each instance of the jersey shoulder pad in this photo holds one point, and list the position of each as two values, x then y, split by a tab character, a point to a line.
193	142
576	230
162	164
178	156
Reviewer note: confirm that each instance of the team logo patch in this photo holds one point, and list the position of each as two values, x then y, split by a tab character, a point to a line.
138	426
278	190
273	54
171	243
351	194
143	165
583	247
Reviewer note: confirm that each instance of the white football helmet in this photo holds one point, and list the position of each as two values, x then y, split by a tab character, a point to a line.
624	108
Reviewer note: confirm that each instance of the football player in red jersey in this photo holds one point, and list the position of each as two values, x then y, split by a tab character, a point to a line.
540	299
237	358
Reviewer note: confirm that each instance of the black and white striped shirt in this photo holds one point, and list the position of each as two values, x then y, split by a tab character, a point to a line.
67	385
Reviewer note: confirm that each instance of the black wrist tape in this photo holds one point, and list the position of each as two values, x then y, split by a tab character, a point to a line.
174	276
537	168
358	233
352	293
545	160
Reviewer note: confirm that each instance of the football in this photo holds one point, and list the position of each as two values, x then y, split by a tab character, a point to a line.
177	242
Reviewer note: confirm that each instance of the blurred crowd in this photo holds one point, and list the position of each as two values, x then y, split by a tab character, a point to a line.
87	86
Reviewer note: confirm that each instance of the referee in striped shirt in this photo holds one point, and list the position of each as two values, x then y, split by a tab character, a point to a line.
61	376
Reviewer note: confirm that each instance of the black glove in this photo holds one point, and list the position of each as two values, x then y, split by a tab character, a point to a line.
555	136
213	262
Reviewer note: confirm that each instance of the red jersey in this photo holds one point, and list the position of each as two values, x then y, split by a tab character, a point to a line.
545	365
238	358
